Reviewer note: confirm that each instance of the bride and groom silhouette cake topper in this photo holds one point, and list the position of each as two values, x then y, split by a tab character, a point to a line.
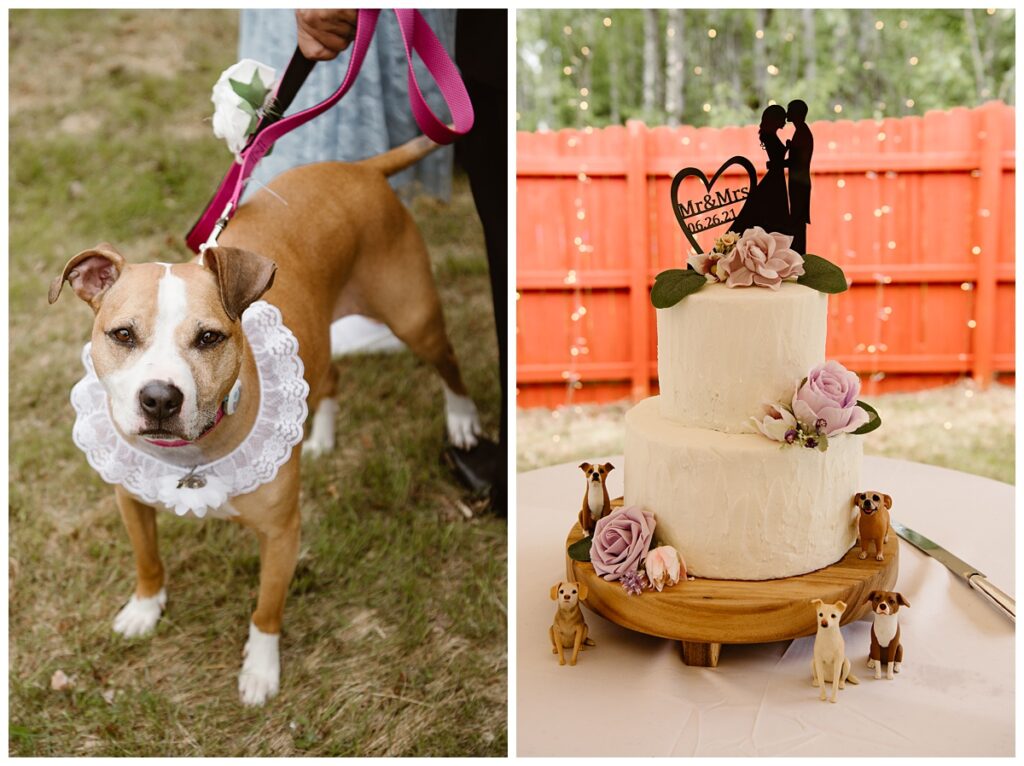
769	203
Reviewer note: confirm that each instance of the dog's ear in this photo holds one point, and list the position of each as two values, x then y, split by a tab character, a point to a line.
608	467
583	590
871	597
242	277
887	501
817	602
554	591
90	273
857	498
584	467
902	601
841	606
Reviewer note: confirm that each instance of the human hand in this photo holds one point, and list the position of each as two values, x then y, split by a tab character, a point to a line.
324	33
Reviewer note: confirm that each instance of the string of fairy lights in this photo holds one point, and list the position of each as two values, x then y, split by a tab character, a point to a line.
580	231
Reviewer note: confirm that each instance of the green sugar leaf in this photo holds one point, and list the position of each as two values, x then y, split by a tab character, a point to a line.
673	285
580	550
823	276
874	419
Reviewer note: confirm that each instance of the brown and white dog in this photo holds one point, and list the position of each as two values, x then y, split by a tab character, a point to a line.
168	347
569	630
873	524
885	632
596	502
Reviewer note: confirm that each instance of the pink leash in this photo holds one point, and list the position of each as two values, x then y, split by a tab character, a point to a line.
417	37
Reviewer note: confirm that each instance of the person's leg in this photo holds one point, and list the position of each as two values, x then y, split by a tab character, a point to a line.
483	155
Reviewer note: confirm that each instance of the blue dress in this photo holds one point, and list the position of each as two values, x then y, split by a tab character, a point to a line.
374	115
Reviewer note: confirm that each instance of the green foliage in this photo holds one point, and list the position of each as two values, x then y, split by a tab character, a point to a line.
871	63
580	550
874	419
822	275
672	285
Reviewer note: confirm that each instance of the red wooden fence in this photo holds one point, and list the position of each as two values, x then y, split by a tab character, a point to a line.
918	211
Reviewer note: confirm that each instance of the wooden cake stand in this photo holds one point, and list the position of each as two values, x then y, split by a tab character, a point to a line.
704	614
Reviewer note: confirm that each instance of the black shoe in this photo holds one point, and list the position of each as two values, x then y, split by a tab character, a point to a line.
475	468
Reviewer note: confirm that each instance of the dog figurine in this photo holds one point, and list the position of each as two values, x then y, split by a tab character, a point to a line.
169	348
885	632
596	503
873	524
830	663
569	631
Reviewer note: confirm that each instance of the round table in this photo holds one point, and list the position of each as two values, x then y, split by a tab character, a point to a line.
632	694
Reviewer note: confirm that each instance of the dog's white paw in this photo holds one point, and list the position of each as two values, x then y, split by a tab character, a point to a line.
140	615
863	555
463	421
871	662
261	670
321	432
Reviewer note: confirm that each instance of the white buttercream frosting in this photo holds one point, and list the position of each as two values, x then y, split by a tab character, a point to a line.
723	352
740	506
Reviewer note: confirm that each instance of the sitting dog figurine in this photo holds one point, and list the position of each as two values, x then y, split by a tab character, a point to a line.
569	630
873	524
596	503
885	632
830	664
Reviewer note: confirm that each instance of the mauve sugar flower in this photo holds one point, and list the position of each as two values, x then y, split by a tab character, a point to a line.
761	258
664	566
620	541
830	394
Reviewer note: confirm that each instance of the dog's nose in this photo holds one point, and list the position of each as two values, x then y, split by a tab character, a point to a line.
824	623
160	400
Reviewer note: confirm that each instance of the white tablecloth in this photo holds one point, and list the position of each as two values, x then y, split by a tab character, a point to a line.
632	695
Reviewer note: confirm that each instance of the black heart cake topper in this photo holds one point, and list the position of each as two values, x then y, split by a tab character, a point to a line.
716	208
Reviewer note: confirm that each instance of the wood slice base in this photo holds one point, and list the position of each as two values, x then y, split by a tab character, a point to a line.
703	614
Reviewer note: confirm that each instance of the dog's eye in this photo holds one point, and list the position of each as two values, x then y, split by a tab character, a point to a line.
209	338
123	336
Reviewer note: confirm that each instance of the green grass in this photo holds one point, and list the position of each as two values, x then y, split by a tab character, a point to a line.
395	639
955	426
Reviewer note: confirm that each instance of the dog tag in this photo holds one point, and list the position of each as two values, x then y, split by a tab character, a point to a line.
192	480
233	398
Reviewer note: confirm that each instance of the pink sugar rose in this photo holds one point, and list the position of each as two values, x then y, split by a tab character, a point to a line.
830	394
761	259
620	542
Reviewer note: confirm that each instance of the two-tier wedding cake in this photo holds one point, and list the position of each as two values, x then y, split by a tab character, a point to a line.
735	504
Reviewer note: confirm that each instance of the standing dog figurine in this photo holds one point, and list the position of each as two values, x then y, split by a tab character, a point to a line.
873	524
191	407
830	664
569	630
885	632
596	503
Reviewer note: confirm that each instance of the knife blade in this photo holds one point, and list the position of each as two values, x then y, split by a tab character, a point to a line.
971	575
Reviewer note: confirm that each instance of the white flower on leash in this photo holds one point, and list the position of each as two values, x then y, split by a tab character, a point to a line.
182	498
238	98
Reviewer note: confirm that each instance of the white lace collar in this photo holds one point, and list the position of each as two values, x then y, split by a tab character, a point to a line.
205	488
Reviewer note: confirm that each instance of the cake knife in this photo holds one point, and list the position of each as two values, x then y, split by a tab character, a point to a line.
962	569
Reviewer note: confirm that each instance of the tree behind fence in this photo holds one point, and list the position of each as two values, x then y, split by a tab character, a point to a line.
918	211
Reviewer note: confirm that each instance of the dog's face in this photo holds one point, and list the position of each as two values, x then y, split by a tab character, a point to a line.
870	502
829	615
568	594
596	473
886	602
167	343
